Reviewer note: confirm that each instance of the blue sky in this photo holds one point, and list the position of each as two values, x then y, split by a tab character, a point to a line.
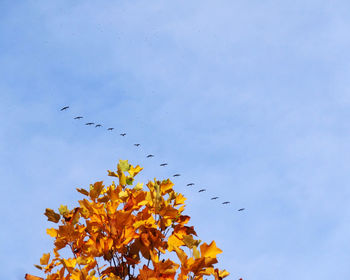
247	99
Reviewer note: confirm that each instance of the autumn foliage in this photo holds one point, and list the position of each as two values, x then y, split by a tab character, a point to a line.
125	232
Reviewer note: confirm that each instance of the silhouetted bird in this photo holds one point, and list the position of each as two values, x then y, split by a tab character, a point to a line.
241	209
176	175
65	108
110	128
122	134
202	190
98	125
215	197
78	118
163	164
89	123
137	145
150	156
226	202
190	184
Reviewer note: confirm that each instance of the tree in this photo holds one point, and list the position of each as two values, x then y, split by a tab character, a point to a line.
125	232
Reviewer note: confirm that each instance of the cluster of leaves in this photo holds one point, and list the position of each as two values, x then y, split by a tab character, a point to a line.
131	232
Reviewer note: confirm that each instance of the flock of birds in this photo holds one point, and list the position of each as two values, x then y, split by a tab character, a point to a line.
148	156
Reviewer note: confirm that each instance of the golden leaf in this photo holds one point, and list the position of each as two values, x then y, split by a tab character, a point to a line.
45	259
138	186
196	253
224	273
174	242
63	210
83	191
123	195
52	232
32	277
51	215
69	263
210	250
166	186
96	189
123	165
190	242
180	199
111	173
133	171
181	255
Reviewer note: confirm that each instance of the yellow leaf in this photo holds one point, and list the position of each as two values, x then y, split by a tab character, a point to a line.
52	232
123	165
109	243
111	173
166	186
51	215
45	259
122	178
38	267
180	199
82	261
196	253
133	171
174	242
210	250
123	195
189	241
69	263
138	186
181	255
223	273
63	210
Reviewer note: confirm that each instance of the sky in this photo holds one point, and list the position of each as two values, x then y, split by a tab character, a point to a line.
247	99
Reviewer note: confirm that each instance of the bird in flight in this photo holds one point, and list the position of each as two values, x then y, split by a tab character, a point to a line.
89	123
98	125
64	108
163	164
137	145
241	209
149	156
176	175
122	134
202	190
226	202
215	197
110	128
190	184
78	118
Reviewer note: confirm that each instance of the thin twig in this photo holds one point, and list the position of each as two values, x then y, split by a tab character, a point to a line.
98	268
75	256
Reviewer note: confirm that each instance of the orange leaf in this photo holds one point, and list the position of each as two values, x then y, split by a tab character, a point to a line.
45	259
174	242
51	215
96	189
210	250
83	191
111	173
32	277
52	232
